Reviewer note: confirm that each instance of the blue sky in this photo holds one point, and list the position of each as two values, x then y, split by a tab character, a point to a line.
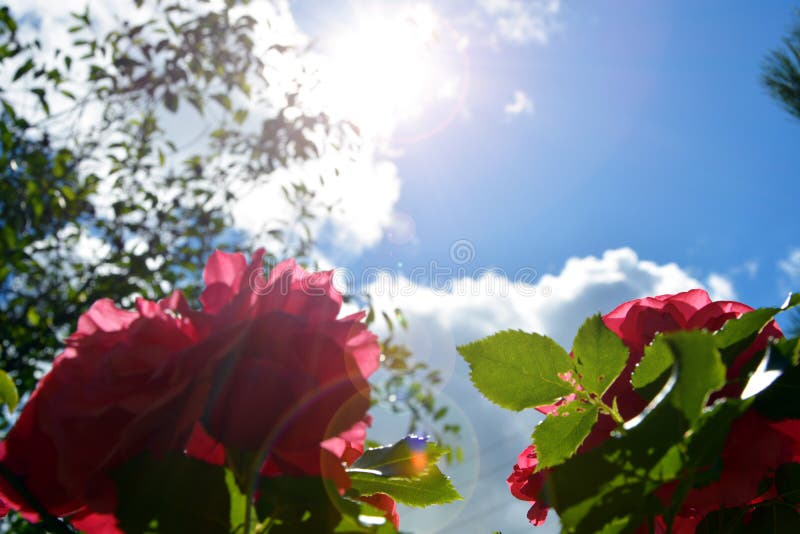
651	130
649	159
650	135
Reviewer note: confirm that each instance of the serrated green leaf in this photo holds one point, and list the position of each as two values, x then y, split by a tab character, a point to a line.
560	434
430	488
408	457
8	391
652	372
517	370
738	334
600	356
617	479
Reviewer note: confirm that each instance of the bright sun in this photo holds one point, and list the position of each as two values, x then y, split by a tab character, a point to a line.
386	68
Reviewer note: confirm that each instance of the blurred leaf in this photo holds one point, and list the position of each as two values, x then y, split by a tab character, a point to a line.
408	457
8	391
24	69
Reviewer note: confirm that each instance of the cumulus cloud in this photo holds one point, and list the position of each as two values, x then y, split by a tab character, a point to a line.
440	318
522	21
720	287
520	103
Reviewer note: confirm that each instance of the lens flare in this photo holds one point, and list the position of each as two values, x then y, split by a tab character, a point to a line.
387	67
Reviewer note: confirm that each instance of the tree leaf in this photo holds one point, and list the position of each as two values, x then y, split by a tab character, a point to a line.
24	69
8	391
517	370
432	487
599	355
171	101
561	433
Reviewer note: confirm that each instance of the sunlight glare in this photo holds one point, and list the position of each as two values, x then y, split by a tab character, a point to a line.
382	70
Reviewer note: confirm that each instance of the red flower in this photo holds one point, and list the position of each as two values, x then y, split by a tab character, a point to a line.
383	502
266	367
125	384
525	483
287	351
753	447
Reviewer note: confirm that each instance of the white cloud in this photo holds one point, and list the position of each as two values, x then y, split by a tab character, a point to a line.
554	304
720	287
521	21
519	104
362	192
791	265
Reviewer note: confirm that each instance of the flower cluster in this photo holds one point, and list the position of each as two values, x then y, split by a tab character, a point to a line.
753	450
271	374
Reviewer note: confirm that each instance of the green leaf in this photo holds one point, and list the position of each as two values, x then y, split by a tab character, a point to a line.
779	400
369	520
768	517
238	505
517	370
302	504
653	370
700	368
616	480
176	492
240	115
8	391
561	433
408	457
223	100
432	487
171	101
24	69
738	334
600	355
787	482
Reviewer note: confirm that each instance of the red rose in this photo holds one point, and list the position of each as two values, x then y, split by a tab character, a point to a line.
125	384
265	367
294	374
525	484
753	447
290	353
